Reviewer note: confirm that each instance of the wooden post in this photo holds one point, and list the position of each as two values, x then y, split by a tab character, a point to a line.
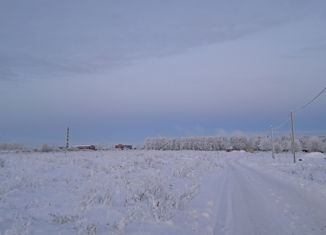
273	155
292	137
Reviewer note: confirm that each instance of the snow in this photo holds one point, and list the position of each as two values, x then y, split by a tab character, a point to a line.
107	192
260	197
162	192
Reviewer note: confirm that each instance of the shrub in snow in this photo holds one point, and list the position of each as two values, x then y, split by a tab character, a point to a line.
155	198
297	145
46	148
63	219
239	142
11	146
183	172
315	144
97	196
278	147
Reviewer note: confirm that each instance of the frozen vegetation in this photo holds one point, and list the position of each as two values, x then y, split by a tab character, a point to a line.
11	147
111	192
253	143
162	192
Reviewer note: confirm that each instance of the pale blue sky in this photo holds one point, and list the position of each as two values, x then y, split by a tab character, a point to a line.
124	70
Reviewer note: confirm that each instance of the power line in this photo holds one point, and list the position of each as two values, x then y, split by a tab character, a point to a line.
311	101
275	127
281	124
292	123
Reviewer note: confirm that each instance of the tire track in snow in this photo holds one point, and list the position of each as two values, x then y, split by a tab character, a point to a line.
253	202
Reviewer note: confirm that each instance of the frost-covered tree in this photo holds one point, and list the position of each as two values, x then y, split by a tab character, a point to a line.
11	146
46	148
252	143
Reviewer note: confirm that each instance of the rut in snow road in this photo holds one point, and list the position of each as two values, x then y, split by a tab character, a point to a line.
251	201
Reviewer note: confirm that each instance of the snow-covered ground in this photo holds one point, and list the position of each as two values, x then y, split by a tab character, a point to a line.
261	195
162	192
113	192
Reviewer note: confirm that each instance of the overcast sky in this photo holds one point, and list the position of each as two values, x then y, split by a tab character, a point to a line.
119	71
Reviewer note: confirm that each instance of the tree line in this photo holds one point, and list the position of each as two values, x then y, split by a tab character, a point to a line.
247	143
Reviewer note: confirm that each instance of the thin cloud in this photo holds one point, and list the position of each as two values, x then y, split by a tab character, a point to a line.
118	33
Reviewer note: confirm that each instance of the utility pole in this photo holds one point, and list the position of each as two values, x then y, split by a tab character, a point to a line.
292	137
273	156
67	139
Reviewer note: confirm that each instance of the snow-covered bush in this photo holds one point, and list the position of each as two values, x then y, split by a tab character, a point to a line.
251	143
46	148
97	196
314	144
155	198
11	146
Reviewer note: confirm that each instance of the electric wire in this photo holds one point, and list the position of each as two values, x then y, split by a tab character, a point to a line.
299	109
281	124
311	101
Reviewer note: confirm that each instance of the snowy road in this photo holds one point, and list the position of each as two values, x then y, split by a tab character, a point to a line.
253	201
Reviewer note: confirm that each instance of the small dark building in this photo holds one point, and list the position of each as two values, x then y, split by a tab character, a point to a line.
123	146
86	147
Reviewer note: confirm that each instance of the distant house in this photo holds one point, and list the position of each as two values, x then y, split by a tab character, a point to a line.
123	146
86	147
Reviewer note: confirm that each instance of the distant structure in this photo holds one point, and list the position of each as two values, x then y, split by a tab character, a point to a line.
86	147
67	138
123	146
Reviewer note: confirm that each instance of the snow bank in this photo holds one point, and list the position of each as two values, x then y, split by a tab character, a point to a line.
309	168
314	155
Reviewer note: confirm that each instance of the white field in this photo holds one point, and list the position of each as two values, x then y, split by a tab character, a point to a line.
162	192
